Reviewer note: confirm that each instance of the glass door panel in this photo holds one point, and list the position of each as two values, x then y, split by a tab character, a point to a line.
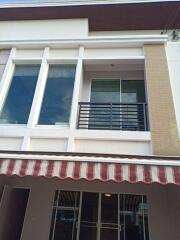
109	217
104	93
132	218
89	216
65	216
133	91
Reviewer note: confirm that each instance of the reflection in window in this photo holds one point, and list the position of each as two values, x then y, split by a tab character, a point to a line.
133	91
104	91
57	100
19	98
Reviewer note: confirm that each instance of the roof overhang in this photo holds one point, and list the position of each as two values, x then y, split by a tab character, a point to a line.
104	17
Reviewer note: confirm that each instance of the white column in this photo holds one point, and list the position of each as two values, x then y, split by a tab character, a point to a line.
25	143
75	99
39	92
37	100
7	76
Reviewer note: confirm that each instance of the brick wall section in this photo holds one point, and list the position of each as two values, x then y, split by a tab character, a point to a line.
4	54
164	132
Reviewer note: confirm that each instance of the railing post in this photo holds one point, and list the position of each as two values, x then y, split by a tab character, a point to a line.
111	115
145	117
79	116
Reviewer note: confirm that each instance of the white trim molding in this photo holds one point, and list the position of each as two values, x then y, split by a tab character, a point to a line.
135	160
89	42
46	3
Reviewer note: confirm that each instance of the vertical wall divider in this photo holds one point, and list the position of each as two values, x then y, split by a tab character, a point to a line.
75	99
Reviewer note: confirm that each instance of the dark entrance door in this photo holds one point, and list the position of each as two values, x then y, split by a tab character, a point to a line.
13	210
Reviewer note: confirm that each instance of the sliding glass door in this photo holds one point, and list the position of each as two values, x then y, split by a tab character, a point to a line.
99	216
117	104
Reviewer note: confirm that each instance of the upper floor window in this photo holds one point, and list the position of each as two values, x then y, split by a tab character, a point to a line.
19	97
57	99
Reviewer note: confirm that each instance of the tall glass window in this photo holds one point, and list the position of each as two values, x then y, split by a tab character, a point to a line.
57	100
19	98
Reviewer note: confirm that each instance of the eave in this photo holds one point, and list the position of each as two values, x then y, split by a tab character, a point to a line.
105	17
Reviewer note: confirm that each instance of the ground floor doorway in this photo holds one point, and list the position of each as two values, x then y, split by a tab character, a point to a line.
13	208
99	216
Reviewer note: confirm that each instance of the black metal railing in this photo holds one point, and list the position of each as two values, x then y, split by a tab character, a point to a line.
113	116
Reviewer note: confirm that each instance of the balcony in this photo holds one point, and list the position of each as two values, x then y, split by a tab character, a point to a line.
113	116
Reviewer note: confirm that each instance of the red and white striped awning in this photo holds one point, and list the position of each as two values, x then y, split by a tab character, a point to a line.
117	170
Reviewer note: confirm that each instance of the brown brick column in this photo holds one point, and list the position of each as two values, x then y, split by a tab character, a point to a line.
164	132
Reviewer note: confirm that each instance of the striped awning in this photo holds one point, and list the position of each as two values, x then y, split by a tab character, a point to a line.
93	170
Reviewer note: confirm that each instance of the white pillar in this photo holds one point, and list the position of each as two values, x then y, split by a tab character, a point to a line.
39	92
7	76
75	98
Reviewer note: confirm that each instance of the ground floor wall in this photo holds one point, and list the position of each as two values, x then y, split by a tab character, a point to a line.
163	203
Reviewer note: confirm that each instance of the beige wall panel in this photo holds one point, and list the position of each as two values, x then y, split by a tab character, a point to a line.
48	145
10	143
164	132
113	147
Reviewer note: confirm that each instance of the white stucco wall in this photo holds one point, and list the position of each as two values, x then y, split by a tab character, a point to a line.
173	56
43	30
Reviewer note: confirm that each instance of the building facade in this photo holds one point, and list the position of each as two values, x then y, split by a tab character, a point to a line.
90	120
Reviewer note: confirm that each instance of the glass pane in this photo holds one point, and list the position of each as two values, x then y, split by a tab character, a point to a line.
89	210
65	225
109	208
109	217
109	234
57	100
19	98
105	91
132	218
133	91
89	216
